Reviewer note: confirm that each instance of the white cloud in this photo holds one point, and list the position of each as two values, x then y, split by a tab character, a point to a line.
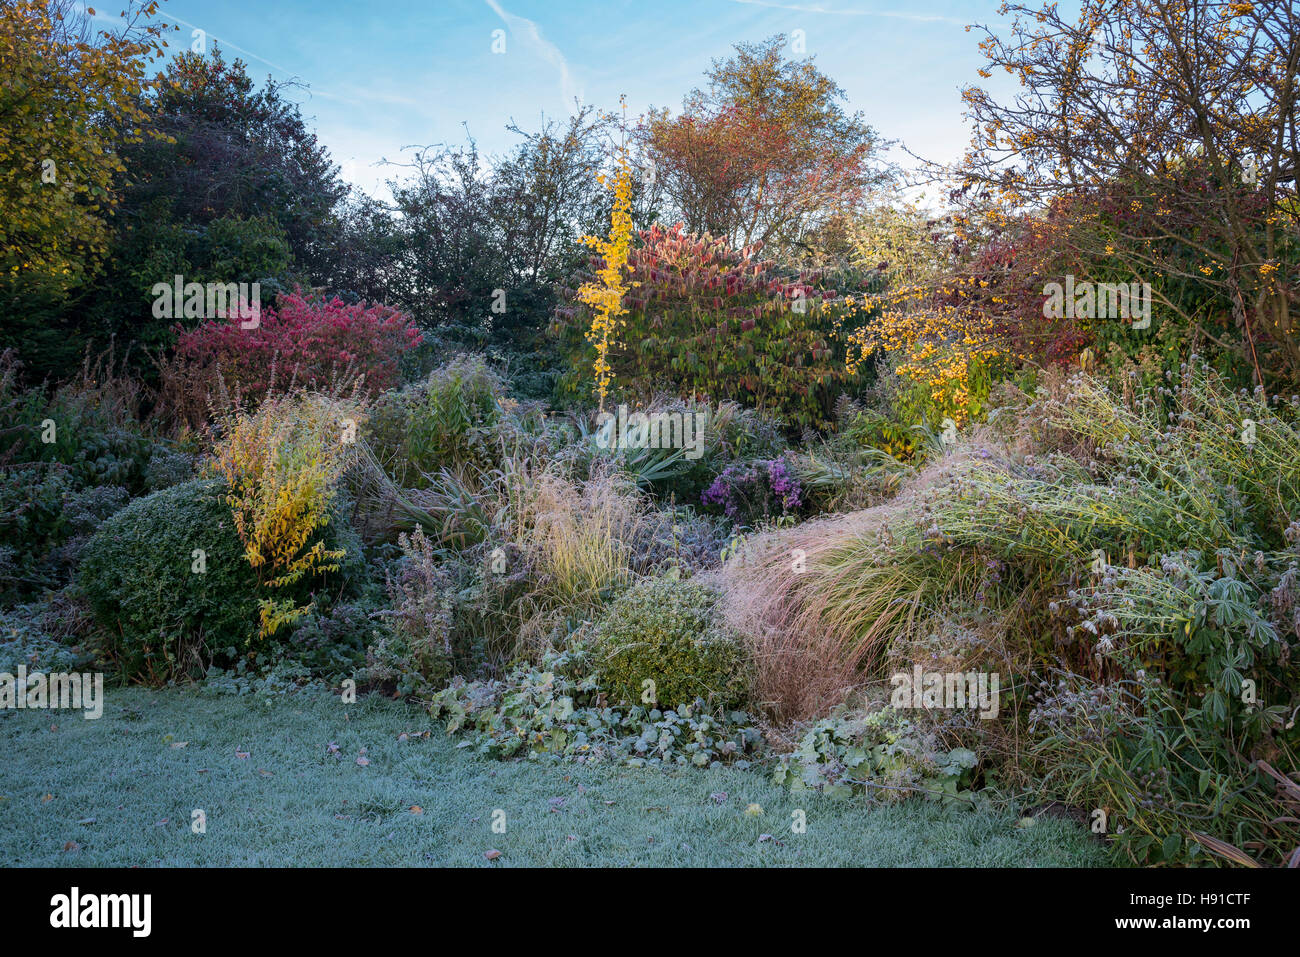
548	51
227	43
813	8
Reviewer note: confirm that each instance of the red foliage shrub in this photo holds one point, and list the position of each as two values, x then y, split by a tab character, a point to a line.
705	319
300	342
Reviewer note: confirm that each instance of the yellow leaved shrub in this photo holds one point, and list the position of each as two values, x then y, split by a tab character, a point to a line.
283	464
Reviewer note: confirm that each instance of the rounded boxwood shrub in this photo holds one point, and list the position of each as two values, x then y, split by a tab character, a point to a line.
141	574
662	630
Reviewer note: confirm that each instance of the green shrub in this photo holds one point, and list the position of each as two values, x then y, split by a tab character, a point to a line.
161	617
168	467
332	641
443	422
68	460
661	631
46	520
138	572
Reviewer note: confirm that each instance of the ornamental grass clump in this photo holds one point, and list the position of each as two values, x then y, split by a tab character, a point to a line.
1135	556
536	547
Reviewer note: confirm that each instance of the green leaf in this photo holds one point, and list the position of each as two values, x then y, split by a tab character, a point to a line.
1171	845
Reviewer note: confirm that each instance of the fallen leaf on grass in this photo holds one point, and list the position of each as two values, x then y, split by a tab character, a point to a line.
492	855
363	761
72	846
416	809
87	820
242	755
47	799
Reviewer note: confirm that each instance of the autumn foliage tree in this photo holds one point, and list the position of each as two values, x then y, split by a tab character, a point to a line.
1172	124
69	99
764	152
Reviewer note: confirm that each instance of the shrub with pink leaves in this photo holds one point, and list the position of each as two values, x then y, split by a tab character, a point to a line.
302	341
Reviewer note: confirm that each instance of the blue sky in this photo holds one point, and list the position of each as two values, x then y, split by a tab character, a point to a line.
383	75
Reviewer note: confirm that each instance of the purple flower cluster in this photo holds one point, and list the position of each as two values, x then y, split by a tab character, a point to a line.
754	489
783	484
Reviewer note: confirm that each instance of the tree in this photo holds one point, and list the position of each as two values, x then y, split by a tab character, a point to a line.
450	262
764	152
481	242
69	102
230	187
228	148
367	247
1172	127
544	197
